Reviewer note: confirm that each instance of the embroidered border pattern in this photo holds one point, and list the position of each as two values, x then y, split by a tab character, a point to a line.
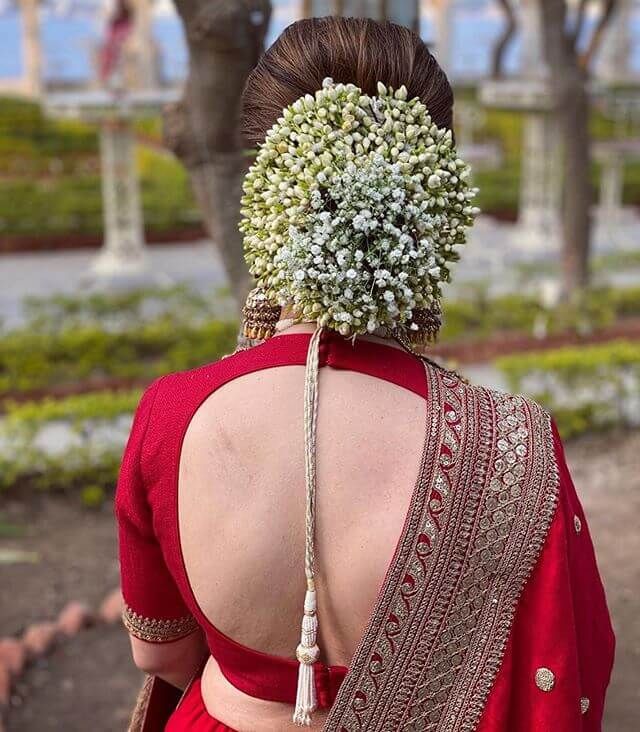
378	662
528	499
451	616
153	630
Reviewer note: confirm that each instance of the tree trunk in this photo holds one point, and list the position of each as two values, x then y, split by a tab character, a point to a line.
225	39
404	12
572	108
606	14
503	41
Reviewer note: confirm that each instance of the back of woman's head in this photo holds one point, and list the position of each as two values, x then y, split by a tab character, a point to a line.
359	51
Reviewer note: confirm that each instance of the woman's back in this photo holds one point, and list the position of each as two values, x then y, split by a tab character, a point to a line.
241	503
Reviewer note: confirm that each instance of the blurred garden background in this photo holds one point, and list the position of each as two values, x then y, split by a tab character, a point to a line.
120	171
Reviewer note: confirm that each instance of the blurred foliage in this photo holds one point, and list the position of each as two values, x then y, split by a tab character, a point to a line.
134	335
50	184
33	360
141	335
479	316
88	465
50	176
90	472
74	409
93	496
122	310
586	388
33	144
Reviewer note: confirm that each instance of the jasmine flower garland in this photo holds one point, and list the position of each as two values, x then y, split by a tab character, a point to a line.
354	207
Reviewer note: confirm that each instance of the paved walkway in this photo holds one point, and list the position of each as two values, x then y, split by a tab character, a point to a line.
44	274
490	258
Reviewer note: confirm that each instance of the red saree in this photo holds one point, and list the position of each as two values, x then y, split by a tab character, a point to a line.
492	616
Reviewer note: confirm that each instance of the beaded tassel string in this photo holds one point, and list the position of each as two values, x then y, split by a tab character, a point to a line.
307	651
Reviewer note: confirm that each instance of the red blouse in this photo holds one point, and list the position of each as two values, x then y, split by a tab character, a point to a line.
562	622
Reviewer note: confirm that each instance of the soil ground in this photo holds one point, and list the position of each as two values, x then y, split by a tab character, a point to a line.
90	681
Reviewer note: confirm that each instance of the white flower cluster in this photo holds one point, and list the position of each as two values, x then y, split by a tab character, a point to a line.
353	208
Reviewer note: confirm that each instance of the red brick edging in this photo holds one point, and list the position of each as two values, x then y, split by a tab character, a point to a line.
40	638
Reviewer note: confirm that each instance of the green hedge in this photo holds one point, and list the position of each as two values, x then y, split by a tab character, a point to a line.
585	388
86	467
102	405
33	143
68	339
480	316
85	471
50	182
122	311
72	202
31	360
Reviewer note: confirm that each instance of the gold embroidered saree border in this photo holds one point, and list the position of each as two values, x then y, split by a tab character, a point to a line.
368	678
436	639
154	630
527	533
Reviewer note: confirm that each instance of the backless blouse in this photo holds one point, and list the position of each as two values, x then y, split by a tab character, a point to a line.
551	661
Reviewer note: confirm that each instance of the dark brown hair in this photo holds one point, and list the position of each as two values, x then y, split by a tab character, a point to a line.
349	50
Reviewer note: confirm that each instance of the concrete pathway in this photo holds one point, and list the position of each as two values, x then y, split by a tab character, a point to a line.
47	273
490	258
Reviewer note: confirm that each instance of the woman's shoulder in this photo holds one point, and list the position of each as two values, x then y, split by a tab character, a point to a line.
177	395
509	411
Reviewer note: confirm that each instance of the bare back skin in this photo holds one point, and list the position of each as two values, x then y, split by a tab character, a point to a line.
241	515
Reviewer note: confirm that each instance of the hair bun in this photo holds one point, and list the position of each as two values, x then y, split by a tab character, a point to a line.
354	207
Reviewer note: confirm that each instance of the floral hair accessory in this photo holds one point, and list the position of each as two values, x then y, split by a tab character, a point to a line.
354	207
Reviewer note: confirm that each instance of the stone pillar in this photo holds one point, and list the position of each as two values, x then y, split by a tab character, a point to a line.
616	225
444	24
123	256
611	188
540	172
540	190
614	57
31	47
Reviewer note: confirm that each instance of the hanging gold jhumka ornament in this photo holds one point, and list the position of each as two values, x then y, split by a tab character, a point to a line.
428	322
259	316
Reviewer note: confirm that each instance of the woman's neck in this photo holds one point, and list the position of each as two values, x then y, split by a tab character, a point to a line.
309	327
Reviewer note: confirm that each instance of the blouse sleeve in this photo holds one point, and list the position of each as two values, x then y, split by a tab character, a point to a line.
559	657
154	610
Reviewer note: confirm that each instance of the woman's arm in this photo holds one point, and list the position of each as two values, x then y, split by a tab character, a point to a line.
176	662
165	637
